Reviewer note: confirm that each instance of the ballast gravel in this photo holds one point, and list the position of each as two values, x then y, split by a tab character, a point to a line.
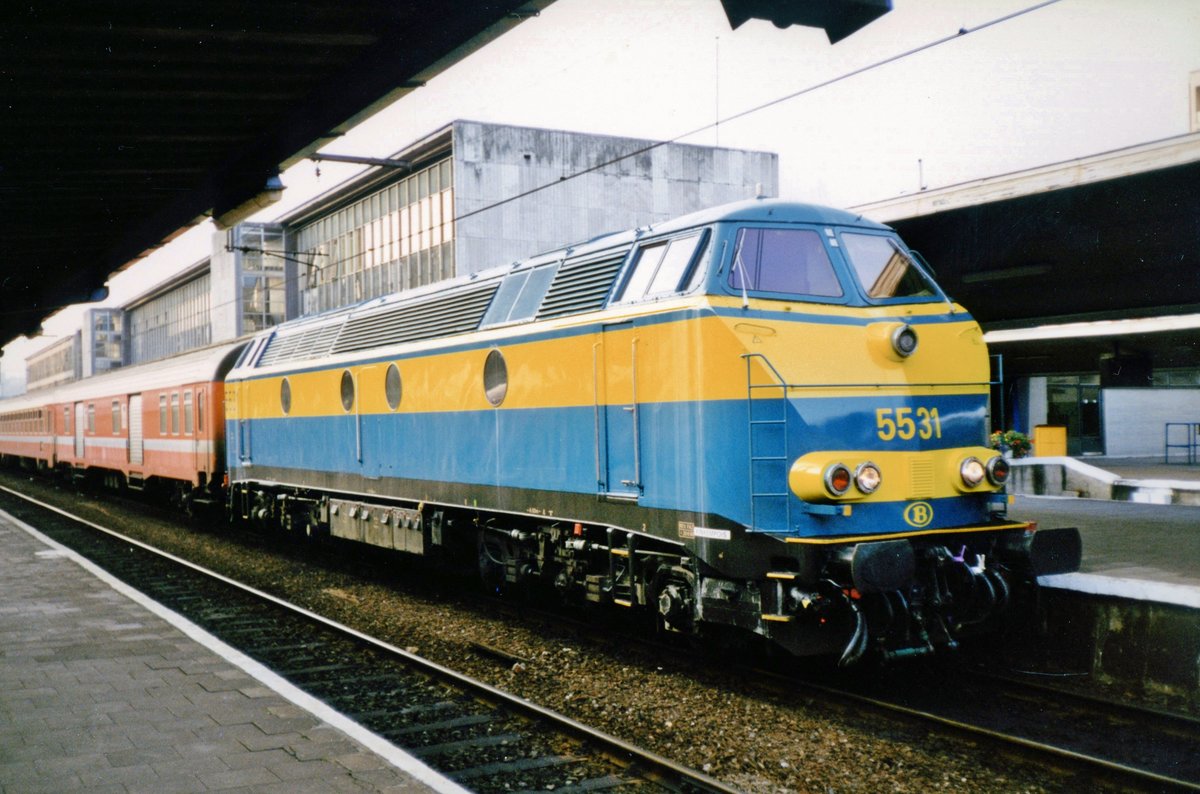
692	711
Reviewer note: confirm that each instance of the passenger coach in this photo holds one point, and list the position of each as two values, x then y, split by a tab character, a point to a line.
158	426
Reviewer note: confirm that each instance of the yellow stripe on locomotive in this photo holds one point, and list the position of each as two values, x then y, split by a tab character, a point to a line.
556	368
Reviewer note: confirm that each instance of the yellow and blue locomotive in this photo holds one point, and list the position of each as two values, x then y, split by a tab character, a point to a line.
764	417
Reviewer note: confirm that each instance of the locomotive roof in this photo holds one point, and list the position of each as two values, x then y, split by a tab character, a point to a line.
460	303
767	211
194	366
749	211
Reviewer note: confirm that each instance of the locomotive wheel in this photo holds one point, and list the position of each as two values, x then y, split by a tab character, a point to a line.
675	600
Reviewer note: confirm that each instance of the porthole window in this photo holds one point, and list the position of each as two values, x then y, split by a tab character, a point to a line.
392	387
347	390
495	377
285	396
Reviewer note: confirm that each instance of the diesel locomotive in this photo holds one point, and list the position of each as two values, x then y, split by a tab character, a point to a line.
764	419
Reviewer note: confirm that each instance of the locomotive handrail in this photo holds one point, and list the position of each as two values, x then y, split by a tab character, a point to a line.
783	384
750	424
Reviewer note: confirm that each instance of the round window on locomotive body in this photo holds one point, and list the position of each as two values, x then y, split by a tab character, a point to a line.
347	390
495	377
393	387
285	396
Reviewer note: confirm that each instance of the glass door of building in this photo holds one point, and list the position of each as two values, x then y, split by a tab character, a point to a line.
1073	401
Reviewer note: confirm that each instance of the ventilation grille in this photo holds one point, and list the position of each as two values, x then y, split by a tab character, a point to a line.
311	343
582	285
920	479
456	312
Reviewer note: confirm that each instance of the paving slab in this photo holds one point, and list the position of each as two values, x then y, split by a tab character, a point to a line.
103	690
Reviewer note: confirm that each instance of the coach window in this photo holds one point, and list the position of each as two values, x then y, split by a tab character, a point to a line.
285	397
188	417
788	261
116	417
347	390
495	377
162	414
200	411
174	413
91	418
66	419
393	387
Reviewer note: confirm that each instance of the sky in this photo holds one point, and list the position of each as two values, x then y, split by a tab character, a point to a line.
1065	80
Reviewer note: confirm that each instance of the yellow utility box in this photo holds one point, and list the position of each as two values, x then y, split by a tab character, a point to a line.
1049	441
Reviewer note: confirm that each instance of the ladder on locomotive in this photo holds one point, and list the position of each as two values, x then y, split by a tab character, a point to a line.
768	446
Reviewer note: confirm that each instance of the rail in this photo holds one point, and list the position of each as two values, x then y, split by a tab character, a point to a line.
466	730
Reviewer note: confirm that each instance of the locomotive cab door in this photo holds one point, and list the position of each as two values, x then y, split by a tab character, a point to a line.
618	453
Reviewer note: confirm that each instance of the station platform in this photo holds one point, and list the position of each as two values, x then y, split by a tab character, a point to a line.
1139	520
103	690
1148	480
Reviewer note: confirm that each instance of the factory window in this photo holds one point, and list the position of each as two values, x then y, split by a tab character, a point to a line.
187	413
399	237
175	413
347	390
495	377
91	418
285	396
393	387
787	261
116	417
172	322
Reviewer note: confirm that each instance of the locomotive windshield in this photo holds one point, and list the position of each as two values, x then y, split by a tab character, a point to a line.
791	261
884	269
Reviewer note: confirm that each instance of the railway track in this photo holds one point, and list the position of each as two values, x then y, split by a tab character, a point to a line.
1097	741
1090	743
473	733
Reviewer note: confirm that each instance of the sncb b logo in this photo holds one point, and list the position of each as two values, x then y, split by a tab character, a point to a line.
918	514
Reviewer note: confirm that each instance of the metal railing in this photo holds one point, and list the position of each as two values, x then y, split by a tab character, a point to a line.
1189	443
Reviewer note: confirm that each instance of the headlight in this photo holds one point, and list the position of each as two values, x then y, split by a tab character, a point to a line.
904	341
837	479
972	471
867	477
997	470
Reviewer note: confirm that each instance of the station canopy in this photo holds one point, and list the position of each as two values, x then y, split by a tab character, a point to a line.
125	123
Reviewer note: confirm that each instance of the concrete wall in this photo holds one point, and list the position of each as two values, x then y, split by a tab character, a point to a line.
494	162
225	280
1134	420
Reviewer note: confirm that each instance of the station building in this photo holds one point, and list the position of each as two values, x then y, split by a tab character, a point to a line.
468	197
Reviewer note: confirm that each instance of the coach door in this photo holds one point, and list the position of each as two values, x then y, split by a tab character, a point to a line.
80	418
618	464
136	439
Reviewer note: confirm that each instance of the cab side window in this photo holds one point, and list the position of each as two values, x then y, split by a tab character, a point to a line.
661	268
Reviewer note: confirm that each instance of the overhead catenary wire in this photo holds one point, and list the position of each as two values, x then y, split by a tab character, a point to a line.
311	266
